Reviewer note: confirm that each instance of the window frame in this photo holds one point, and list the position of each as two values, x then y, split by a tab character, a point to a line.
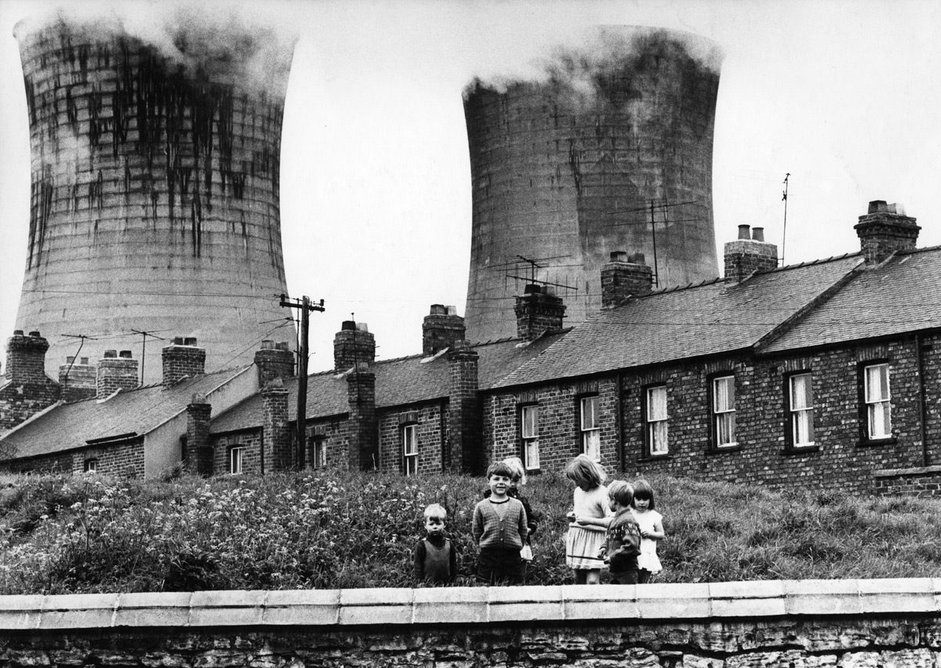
589	436
650	438
715	415
318	452
791	412
409	458
865	405
529	441
90	465
236	454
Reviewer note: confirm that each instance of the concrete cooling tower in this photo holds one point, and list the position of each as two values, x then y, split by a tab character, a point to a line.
573	165
155	196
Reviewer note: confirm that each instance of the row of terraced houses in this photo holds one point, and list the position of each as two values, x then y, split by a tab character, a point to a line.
820	374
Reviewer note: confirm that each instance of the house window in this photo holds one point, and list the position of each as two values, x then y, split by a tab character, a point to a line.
529	428
590	427
801	405
410	449
91	466
878	401
657	442
723	411
318	453
235	459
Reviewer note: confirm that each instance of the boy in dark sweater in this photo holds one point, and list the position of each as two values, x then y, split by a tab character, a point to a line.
499	529
623	535
435	562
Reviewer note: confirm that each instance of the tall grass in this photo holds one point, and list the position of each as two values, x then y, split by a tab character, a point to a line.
331	529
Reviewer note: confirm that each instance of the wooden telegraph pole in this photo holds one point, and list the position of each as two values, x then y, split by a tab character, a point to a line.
305	306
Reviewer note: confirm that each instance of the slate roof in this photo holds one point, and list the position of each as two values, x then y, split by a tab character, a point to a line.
704	319
140	411
400	381
901	295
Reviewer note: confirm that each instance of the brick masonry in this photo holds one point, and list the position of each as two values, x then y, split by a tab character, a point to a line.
717	625
182	361
840	456
25	388
125	458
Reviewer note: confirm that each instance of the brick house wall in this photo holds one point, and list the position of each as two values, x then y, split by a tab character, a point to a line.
762	455
124	459
431	433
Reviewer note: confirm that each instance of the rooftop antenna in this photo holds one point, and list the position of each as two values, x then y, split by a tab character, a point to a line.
784	233
143	352
652	206
534	264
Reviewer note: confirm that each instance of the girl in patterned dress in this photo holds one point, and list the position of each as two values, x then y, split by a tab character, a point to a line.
651	531
588	521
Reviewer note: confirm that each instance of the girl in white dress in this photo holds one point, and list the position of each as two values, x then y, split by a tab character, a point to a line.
588	521
651	531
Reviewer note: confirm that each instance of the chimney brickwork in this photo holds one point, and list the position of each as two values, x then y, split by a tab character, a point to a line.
277	440
78	379
364	435
538	312
274	360
624	277
182	359
749	254
26	388
352	344
464	453
884	230
441	328
116	373
198	447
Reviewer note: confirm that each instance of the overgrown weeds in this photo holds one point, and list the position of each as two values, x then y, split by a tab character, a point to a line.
333	529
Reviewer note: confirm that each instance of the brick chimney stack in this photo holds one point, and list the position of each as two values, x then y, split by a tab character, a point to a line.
624	277
538	312
27	389
78	378
182	359
440	329
748	254
884	230
274	360
364	434
464	454
352	344
277	442
198	448
116	372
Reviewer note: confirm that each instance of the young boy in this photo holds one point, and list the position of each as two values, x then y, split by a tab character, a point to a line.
435	562
623	535
499	529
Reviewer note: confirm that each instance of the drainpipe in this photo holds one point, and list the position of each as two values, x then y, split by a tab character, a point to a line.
922	399
619	421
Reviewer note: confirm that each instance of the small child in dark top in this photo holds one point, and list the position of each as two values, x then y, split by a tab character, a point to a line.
435	562
499	529
623	535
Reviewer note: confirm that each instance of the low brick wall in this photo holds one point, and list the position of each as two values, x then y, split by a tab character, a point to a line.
842	623
922	481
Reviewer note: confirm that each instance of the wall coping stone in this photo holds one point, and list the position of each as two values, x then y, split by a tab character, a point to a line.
473	605
894	473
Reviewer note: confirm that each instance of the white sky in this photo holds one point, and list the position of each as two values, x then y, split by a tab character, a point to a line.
375	176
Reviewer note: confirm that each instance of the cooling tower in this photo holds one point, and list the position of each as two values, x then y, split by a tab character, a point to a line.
155	202
573	165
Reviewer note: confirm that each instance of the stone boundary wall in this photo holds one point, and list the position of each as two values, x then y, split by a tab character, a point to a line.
842	623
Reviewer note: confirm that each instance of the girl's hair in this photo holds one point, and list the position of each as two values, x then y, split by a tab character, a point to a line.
499	468
583	470
643	490
519	471
622	492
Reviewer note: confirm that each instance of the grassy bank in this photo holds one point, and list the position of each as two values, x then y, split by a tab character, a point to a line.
87	534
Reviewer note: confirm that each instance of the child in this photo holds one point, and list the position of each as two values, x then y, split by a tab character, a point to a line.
499	529
435	562
651	531
516	482
623	535
588	521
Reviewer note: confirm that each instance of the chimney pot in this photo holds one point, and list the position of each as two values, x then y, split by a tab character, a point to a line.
126	354
178	340
637	258
532	289
877	206
17	332
743	232
84	360
348	326
758	234
111	353
619	256
189	341
69	359
438	309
